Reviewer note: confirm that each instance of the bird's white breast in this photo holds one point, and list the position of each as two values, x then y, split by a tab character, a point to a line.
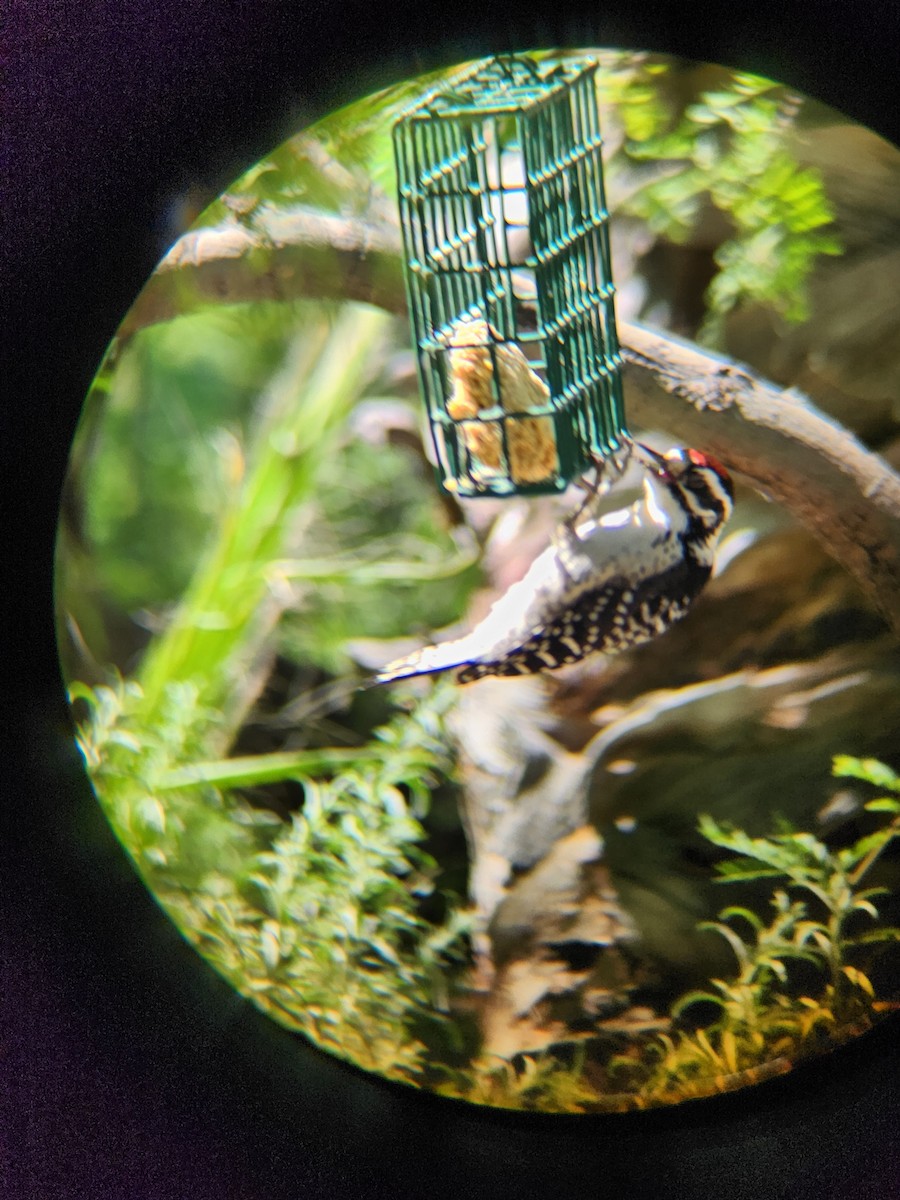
630	543
633	542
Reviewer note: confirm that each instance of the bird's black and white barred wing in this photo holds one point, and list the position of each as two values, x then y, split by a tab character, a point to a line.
567	603
508	623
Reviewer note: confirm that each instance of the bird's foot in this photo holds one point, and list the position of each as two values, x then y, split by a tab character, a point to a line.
604	474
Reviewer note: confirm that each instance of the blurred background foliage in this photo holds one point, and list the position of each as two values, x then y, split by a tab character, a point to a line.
251	518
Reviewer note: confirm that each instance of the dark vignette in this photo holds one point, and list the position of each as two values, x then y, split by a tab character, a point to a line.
127	1069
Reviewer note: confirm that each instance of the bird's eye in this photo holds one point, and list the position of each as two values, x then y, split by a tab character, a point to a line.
677	461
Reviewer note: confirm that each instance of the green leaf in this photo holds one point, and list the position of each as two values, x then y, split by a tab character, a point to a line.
861	905
888	934
696	997
81	691
740	948
870	844
151	814
884	804
747	914
269	943
736	872
868	769
859	979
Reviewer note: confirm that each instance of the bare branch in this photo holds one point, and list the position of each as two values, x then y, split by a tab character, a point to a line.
847	496
281	254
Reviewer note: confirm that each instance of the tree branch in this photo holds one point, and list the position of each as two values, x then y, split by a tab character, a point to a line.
278	254
848	497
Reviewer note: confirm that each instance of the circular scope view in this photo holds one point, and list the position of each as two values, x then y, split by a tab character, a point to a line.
477	581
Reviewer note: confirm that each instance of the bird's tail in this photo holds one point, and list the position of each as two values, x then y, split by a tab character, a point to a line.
428	661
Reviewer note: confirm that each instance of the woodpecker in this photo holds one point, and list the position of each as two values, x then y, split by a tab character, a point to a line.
605	583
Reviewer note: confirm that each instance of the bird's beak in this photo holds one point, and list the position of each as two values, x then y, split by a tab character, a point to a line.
655	459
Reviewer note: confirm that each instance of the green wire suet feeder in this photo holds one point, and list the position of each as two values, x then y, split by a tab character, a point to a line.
510	291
